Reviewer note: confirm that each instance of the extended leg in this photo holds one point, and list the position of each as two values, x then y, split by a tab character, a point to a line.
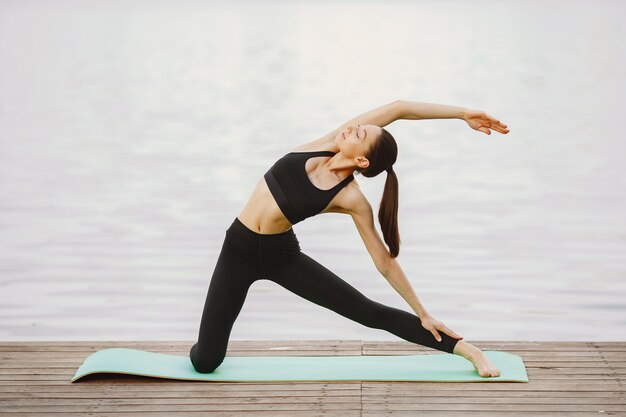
226	295
309	279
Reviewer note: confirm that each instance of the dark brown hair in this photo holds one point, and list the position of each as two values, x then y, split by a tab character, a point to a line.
382	155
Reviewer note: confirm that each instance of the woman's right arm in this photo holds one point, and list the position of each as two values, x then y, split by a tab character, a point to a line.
416	110
476	119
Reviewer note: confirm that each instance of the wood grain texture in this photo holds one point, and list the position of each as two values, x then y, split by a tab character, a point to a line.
566	378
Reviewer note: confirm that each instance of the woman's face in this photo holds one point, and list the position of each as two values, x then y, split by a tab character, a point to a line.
355	140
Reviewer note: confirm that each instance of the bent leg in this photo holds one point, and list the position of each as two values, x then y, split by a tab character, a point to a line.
309	279
227	292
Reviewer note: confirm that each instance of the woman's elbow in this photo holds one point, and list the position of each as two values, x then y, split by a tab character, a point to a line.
384	264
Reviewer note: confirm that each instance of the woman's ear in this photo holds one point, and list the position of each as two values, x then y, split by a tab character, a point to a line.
362	162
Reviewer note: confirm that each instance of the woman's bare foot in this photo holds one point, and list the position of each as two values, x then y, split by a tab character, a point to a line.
480	361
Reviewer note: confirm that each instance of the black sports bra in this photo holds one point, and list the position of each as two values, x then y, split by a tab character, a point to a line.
292	189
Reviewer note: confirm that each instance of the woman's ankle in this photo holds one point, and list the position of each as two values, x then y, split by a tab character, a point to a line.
465	349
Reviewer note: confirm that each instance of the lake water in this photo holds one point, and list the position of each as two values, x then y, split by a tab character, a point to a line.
132	134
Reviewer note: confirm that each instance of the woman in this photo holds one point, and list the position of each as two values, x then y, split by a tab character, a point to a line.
317	177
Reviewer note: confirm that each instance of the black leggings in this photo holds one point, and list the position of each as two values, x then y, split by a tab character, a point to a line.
247	256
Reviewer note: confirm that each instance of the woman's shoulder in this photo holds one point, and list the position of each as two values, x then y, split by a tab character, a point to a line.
350	199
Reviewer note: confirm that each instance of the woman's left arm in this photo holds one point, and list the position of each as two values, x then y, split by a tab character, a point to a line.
399	281
476	119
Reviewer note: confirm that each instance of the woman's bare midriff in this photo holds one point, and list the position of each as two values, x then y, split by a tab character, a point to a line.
261	213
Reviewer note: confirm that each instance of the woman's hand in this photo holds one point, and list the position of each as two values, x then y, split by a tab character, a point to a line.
481	121
432	325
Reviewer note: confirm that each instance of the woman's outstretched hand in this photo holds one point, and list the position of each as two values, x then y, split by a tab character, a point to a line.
432	325
481	121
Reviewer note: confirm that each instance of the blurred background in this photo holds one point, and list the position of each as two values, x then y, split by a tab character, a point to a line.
133	132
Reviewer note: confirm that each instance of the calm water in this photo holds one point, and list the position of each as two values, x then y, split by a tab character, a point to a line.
132	135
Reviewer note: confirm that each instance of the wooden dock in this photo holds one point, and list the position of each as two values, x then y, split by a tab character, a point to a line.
566	379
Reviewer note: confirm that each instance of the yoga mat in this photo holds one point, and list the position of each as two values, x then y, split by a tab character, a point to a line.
431	367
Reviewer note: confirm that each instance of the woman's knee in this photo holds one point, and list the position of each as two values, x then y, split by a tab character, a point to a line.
204	363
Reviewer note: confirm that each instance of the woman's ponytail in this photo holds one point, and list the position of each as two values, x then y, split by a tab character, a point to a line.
388	213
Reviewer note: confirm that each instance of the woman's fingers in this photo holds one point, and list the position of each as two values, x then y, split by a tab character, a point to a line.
436	334
439	326
493	123
500	127
486	125
449	332
453	333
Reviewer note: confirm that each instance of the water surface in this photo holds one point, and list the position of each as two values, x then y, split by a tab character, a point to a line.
132	134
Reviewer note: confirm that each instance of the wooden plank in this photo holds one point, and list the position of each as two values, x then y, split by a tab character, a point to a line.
481	413
248	345
251	402
130	383
211	413
490	406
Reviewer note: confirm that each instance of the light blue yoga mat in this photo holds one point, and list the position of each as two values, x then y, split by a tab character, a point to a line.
431	367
